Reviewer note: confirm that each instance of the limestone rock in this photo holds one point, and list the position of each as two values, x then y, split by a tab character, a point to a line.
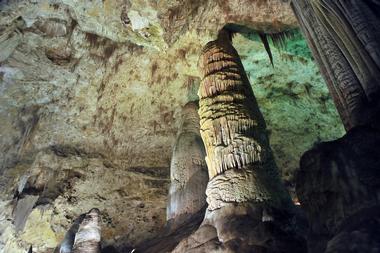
188	171
247	204
66	246
66	182
348	33
83	102
87	239
338	186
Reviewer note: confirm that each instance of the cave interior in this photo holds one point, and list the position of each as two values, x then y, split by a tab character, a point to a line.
178	126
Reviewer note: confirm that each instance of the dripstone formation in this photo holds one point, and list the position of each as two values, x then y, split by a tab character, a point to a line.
248	208
66	245
87	239
75	113
338	183
344	37
188	172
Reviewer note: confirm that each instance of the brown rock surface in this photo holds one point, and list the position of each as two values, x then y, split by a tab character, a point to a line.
338	186
88	237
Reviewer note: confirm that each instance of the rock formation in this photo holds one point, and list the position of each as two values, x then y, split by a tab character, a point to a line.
188	171
67	244
344	37
76	112
339	187
338	182
247	204
87	239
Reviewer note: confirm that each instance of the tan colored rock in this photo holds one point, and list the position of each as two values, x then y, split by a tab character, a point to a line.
87	239
248	206
188	171
233	128
66	246
210	16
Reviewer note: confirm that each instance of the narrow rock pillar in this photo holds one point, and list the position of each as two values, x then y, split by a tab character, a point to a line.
67	243
188	171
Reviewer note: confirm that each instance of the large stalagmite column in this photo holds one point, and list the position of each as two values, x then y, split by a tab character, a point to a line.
247	203
239	159
87	239
188	172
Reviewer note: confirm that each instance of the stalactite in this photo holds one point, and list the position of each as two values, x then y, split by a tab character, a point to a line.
22	210
87	239
344	38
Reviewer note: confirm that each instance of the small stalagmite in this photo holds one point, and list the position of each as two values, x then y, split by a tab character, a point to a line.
87	239
188	171
67	243
248	207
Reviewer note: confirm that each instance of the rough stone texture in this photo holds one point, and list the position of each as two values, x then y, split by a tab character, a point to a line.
66	246
188	171
338	186
294	100
344	37
268	16
153	24
169	237
68	184
81	102
88	237
245	195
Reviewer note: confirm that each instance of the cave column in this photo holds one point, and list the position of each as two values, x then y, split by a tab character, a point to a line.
239	159
244	192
